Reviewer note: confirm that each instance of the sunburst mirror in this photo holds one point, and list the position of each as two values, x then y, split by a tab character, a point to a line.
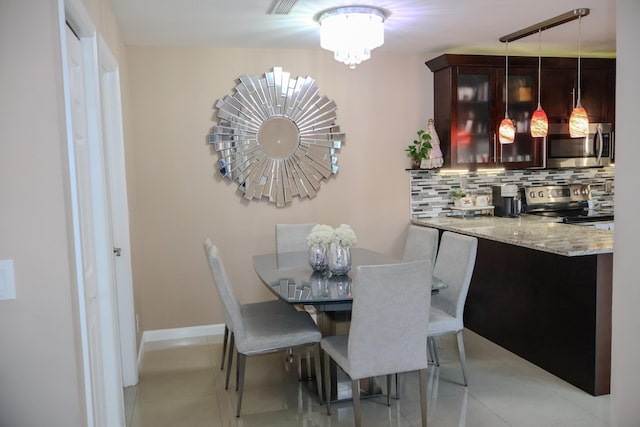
277	137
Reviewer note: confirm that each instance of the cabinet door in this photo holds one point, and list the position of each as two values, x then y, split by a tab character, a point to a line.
598	93
597	87
472	125
558	93
525	151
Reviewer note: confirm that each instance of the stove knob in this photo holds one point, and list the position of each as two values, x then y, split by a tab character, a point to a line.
541	193
575	191
532	194
584	191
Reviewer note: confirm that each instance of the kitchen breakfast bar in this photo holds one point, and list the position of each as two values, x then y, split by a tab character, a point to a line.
542	290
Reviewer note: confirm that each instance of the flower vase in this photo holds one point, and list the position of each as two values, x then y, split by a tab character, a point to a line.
318	258
339	259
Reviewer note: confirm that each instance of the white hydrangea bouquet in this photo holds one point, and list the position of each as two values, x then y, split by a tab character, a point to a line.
344	236
320	235
329	248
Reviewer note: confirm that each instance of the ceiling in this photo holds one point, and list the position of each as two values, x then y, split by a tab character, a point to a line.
422	26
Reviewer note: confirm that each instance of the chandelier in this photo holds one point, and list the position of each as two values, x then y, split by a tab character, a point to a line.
352	32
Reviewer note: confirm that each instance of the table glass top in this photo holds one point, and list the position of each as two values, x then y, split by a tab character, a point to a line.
290	277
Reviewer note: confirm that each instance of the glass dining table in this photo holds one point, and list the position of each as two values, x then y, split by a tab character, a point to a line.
290	277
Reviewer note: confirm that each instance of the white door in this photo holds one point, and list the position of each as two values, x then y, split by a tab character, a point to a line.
92	238
113	142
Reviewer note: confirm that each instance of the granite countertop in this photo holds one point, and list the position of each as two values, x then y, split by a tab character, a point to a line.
529	231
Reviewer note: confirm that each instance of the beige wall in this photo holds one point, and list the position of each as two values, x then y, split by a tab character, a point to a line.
33	226
181	199
40	369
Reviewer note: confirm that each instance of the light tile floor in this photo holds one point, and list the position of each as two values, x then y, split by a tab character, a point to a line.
181	384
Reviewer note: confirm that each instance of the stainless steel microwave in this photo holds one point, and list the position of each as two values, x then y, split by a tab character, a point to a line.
594	150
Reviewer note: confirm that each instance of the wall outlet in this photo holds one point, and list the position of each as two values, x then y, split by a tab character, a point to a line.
608	186
137	324
464	181
7	280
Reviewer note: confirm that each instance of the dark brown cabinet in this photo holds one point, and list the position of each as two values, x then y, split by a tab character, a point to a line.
469	103
559	90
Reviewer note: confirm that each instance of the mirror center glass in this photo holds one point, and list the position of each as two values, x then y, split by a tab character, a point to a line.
279	137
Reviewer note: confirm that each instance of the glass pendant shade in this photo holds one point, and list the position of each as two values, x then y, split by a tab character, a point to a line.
539	123
506	131
351	33
578	122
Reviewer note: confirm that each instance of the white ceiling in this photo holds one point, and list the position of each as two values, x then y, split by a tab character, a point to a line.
424	26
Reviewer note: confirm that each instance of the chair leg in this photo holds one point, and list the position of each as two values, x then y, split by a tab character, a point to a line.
237	374
327	381
434	351
224	346
463	358
423	396
309	366
232	344
299	360
389	388
355	395
241	362
397	386
316	356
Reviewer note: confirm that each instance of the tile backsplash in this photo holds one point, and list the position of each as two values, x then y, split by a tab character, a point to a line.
430	189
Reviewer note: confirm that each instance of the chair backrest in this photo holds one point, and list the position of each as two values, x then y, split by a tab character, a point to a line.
232	314
421	244
390	313
454	266
292	237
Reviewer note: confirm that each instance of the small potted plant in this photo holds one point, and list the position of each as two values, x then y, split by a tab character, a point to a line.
419	150
460	198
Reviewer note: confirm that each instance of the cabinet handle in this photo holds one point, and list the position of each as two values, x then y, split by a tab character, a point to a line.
495	150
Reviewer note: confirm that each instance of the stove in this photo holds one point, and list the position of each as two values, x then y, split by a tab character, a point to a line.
568	203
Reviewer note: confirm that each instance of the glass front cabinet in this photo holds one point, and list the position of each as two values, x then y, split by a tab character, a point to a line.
469	103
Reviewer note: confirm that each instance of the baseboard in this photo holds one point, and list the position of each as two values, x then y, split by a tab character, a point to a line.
177	335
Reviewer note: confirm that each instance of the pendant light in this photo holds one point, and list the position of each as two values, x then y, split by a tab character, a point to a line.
539	121
579	120
506	130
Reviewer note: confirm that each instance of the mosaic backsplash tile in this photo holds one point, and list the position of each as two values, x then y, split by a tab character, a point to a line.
430	189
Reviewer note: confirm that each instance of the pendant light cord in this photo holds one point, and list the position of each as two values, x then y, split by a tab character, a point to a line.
539	64
506	82
579	41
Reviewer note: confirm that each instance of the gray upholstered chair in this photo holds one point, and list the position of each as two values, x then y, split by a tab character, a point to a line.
390	306
260	334
421	244
454	266
256	309
292	237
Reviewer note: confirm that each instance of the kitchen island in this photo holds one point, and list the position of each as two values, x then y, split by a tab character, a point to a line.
542	290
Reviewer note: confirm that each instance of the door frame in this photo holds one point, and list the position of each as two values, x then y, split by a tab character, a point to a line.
110	195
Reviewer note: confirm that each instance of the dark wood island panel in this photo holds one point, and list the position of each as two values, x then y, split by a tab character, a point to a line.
552	310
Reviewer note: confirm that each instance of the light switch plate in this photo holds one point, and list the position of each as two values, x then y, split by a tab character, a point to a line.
7	280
